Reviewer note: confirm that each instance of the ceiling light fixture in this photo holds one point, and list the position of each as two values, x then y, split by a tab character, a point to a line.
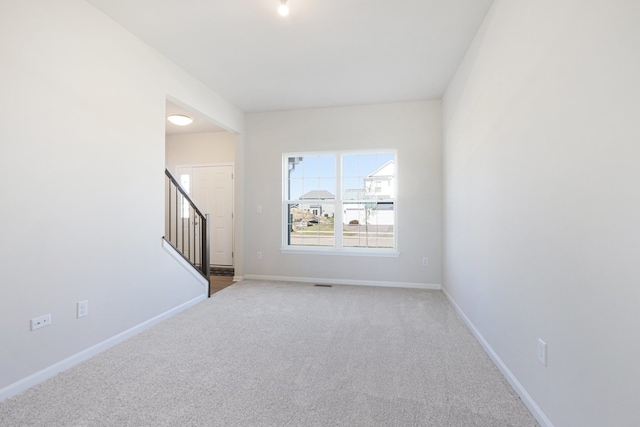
284	8
180	120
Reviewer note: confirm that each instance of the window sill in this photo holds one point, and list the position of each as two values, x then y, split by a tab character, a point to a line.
388	253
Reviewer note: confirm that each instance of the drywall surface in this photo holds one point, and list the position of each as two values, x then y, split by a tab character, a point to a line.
199	149
413	129
541	172
82	151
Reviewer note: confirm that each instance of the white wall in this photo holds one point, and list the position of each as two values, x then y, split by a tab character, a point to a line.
413	128
199	148
542	208
82	184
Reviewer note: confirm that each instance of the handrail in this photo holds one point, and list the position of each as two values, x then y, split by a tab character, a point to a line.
186	227
175	182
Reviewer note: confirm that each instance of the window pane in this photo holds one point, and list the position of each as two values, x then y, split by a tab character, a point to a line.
350	165
310	167
185	183
311	224
311	177
296	189
368	225
327	166
294	165
368	176
366	197
328	184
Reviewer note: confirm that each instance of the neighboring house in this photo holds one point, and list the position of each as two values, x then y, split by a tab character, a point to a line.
316	207
380	182
378	186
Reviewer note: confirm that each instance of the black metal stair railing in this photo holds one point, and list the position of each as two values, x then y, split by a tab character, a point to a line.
186	227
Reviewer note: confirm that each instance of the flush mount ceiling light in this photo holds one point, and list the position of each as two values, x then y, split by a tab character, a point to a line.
180	120
284	8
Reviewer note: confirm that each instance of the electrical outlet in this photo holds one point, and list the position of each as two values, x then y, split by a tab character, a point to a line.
259	255
40	322
83	308
542	352
425	262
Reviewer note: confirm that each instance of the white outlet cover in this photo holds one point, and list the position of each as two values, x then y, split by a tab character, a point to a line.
40	322
542	352
83	308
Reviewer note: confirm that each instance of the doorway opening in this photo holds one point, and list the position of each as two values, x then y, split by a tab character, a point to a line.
201	156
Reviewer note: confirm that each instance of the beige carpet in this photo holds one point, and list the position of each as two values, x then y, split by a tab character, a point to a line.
282	354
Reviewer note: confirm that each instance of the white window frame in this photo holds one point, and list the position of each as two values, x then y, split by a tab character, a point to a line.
338	248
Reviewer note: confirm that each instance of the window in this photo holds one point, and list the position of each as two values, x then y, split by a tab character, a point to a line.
185	183
340	201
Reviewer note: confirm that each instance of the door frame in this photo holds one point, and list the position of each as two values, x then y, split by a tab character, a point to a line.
233	195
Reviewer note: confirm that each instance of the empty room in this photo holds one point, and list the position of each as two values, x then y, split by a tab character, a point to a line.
420	213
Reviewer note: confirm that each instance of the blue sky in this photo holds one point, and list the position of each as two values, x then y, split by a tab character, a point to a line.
318	172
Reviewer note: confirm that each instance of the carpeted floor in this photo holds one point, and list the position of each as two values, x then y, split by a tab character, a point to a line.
283	354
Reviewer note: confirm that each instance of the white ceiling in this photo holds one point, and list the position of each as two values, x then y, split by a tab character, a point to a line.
325	53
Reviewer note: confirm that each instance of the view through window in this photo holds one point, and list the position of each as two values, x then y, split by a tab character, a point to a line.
340	200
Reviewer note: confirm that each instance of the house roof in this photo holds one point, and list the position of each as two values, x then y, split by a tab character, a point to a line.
381	168
317	194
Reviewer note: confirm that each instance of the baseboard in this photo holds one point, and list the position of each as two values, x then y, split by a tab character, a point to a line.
238	278
344	282
51	371
506	372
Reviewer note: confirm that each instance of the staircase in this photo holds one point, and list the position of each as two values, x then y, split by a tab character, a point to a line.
186	227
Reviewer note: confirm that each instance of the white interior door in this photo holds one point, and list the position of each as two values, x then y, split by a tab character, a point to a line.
212	190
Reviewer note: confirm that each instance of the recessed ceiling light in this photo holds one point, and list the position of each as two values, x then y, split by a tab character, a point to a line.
284	8
180	120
